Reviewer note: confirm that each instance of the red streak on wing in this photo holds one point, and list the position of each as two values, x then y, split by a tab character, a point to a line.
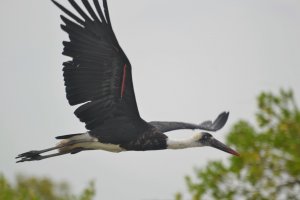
123	81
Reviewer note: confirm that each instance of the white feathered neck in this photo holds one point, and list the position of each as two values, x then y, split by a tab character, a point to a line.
185	143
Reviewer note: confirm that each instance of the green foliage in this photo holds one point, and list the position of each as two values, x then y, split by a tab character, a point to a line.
30	188
269	165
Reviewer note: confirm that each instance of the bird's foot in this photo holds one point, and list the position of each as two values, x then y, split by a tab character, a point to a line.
29	156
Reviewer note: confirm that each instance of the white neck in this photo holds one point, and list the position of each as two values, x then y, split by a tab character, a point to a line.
184	143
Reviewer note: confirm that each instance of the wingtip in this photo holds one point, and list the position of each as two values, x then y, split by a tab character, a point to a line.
225	114
55	2
221	120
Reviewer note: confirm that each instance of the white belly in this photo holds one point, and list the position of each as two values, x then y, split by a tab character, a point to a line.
100	146
86	141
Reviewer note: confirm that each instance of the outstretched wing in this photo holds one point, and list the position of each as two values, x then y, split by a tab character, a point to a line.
219	122
99	74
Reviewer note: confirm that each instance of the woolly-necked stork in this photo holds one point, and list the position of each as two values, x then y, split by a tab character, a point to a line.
99	77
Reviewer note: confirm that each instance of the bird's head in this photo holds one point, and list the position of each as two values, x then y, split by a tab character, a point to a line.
206	139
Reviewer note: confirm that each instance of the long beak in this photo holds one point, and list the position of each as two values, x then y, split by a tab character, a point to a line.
219	145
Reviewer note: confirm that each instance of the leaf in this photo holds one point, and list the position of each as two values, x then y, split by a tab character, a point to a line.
269	156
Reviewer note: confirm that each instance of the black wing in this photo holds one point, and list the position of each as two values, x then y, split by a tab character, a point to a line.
219	122
99	74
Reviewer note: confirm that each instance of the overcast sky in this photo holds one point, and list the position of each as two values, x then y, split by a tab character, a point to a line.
191	60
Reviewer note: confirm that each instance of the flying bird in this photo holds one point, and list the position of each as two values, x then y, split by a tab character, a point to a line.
99	77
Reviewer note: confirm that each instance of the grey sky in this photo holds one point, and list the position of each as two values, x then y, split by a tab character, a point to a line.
191	60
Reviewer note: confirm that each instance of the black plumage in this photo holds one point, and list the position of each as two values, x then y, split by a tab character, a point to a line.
99	78
95	77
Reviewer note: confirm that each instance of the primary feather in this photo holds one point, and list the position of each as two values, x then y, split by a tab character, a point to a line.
99	74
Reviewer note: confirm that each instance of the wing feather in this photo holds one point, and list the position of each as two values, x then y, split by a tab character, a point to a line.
99	10
95	74
77	19
80	11
90	10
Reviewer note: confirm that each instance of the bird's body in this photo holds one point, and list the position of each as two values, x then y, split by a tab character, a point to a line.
99	77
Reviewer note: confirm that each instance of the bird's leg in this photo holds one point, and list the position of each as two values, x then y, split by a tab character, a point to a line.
32	157
36	152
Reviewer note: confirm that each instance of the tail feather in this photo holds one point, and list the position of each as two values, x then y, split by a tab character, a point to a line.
67	136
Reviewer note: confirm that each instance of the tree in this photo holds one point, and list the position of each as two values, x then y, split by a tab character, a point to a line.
30	188
269	165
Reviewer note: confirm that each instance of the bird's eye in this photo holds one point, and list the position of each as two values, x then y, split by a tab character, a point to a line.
206	136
